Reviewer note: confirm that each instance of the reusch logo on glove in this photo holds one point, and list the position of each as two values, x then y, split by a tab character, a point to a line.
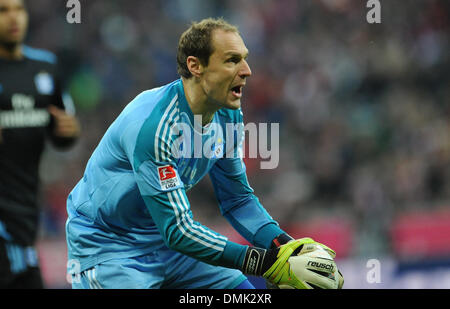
326	266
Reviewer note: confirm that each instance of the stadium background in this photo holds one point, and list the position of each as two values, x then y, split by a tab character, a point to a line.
364	113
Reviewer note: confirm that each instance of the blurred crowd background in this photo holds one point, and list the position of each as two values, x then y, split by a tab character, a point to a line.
364	112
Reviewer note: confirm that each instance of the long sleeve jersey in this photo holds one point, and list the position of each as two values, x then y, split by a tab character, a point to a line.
132	197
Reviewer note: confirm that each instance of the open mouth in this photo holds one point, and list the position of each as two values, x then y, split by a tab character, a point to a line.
237	91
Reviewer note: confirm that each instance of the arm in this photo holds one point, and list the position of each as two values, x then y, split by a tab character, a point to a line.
163	192
156	175
173	217
250	219
237	202
241	207
64	128
171	212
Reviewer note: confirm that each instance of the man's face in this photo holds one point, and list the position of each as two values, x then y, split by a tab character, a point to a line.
225	76
13	21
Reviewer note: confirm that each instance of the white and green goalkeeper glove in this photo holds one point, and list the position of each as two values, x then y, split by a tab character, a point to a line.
309	269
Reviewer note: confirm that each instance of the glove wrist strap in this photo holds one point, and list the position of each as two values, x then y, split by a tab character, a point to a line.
253	261
280	240
257	260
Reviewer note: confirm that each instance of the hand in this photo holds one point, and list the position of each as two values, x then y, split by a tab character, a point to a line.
279	273
285	238
65	125
305	264
330	251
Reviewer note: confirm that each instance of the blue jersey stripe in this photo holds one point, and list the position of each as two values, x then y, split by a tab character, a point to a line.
39	54
3	232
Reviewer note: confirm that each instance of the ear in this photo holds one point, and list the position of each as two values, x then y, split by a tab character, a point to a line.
194	66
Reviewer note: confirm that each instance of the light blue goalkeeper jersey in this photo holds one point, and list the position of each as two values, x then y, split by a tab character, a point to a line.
132	198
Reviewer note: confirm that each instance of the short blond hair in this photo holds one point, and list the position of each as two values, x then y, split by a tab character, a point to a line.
197	41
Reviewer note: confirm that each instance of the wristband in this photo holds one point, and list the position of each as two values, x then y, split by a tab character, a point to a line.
280	240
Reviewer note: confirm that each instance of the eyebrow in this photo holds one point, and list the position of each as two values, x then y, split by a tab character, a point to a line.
236	54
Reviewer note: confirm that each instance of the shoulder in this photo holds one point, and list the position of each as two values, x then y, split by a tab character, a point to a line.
39	55
148	118
150	106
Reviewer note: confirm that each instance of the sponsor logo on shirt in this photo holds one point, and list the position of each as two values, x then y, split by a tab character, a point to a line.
168	177
23	113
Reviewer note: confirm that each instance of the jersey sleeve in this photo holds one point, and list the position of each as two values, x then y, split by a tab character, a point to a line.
240	206
62	99
236	198
172	215
158	180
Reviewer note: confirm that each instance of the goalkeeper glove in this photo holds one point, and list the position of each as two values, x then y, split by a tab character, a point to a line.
273	264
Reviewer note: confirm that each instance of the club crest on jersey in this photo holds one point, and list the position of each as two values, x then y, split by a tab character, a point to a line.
217	150
168	177
44	83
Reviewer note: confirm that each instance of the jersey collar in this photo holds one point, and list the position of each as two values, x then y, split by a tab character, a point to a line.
184	105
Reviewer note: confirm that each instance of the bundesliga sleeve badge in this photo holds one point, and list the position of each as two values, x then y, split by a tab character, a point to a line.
168	178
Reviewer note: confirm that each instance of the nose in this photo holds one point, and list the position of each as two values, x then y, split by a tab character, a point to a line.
245	70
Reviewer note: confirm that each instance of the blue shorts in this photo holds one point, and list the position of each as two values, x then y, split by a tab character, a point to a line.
165	269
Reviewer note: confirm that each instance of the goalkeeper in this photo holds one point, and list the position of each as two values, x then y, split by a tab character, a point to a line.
129	220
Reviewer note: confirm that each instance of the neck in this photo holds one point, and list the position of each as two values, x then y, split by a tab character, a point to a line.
11	51
198	100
